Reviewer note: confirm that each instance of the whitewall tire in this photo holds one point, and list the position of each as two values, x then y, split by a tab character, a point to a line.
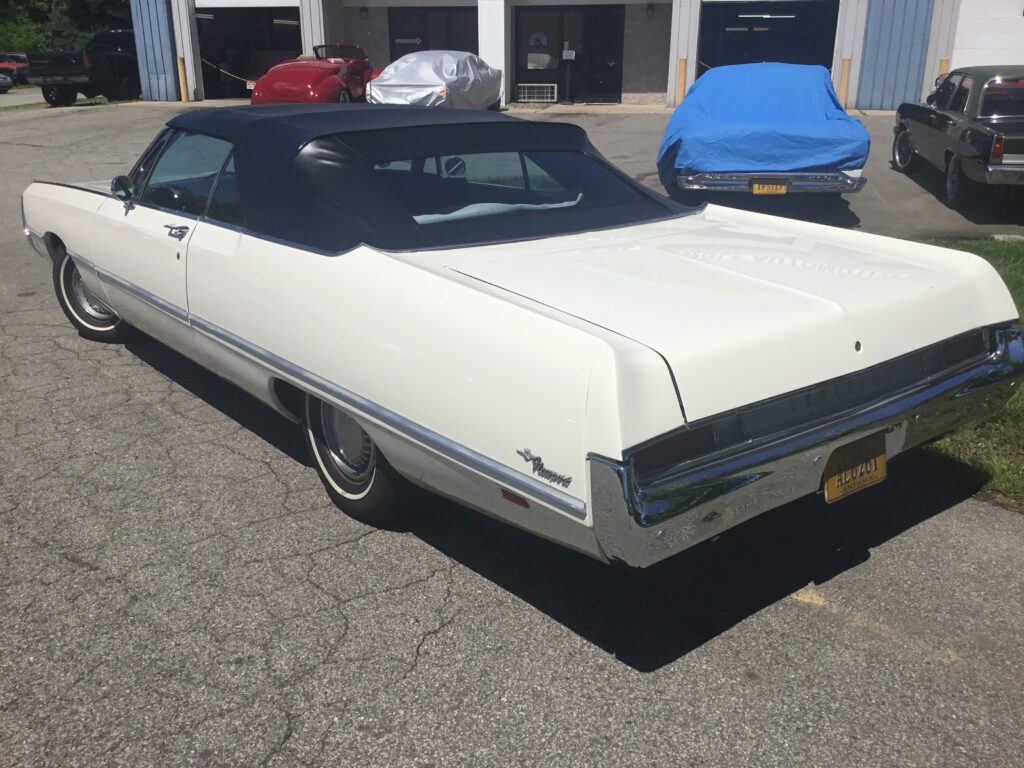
357	477
90	317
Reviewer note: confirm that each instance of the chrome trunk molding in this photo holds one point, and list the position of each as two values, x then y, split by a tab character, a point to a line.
641	522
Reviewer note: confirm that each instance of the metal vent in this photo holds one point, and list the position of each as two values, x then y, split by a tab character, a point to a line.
537	93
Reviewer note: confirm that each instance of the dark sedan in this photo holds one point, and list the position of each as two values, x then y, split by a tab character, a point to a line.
971	128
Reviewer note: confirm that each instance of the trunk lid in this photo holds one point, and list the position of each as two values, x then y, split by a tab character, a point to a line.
744	307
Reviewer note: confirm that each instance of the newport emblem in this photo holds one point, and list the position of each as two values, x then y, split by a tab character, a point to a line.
537	464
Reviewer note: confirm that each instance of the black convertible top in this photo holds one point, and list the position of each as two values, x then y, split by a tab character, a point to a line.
311	174
304	122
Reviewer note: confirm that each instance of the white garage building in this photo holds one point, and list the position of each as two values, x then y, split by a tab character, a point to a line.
880	52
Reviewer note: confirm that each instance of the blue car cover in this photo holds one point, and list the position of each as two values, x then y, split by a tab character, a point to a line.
761	118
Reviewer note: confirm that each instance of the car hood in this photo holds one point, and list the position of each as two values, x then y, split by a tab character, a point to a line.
743	306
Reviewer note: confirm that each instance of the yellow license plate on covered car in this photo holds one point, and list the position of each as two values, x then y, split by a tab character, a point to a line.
769	186
855	466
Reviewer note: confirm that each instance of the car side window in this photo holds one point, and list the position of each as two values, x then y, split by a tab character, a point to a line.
184	174
963	91
945	91
226	203
140	172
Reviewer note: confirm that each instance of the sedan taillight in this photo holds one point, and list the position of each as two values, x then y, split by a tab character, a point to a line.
997	150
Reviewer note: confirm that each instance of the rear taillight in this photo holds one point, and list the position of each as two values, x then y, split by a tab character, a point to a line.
86	60
997	150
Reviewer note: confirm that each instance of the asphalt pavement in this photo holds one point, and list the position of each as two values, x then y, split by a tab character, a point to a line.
176	589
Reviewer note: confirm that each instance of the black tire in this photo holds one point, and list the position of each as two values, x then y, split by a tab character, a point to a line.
128	89
90	318
904	159
958	188
54	95
365	487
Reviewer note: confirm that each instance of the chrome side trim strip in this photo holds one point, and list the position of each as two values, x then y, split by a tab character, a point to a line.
498	472
140	293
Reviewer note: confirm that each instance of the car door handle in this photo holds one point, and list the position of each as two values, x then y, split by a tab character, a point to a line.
177	231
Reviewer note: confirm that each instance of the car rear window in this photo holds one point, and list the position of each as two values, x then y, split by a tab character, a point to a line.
1003	98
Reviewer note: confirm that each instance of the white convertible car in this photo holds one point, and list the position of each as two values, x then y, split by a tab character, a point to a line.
484	307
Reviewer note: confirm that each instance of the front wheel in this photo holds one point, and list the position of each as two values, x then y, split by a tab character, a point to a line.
90	317
903	157
357	477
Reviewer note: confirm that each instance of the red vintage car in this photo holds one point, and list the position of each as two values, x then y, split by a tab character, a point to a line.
15	66
337	73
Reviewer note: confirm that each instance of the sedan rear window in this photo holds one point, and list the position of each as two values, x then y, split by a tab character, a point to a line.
1004	98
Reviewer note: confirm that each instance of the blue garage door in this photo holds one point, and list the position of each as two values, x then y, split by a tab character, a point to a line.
154	44
895	46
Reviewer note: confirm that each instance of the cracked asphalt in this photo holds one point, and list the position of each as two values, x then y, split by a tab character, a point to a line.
176	589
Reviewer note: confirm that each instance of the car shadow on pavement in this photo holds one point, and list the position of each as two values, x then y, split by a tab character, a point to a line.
645	618
832	210
226	398
650	618
987	205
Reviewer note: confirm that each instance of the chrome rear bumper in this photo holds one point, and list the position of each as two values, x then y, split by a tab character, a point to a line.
641	523
1003	174
836	181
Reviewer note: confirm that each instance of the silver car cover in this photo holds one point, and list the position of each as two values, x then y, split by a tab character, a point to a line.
437	79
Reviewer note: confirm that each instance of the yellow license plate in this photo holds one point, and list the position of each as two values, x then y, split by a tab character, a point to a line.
855	466
769	187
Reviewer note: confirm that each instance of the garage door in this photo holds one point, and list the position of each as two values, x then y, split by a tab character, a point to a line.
791	31
895	47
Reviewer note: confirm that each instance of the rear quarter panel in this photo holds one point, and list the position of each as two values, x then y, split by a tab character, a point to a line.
491	375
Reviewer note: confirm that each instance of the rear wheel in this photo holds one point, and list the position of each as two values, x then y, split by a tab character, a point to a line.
59	95
357	477
958	189
90	317
903	157
125	88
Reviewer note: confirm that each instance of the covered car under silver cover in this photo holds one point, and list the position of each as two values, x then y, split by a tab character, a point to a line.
437	79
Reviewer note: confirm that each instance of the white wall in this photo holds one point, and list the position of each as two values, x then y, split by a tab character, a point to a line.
989	32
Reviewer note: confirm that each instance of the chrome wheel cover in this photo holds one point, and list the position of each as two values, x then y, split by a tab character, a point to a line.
87	302
952	179
903	151
349	448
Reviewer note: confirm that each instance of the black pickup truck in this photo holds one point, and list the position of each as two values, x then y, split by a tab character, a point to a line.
971	127
106	66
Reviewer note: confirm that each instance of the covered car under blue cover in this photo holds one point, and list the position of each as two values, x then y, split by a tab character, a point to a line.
761	118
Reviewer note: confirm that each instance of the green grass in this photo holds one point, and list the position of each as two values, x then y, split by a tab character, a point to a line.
995	448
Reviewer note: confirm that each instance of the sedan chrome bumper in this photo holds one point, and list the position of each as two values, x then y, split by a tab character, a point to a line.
836	181
1003	174
642	522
